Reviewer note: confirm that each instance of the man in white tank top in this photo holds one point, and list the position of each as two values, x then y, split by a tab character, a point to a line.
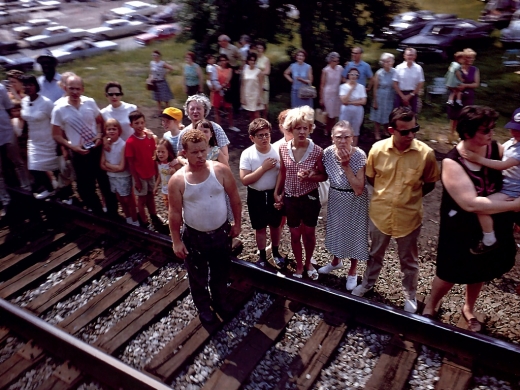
197	198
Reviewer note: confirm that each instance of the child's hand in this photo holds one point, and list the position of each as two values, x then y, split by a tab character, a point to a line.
469	155
174	162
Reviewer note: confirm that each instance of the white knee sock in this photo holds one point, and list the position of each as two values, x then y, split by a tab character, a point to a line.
489	238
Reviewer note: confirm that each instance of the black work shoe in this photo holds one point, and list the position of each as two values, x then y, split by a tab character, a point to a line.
207	317
480	249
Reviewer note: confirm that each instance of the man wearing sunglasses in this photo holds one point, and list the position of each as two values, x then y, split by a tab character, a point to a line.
402	170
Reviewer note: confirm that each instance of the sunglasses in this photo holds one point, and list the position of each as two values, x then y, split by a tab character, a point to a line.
487	130
114	94
404	133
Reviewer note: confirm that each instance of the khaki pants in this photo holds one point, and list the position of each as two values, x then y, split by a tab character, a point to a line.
408	255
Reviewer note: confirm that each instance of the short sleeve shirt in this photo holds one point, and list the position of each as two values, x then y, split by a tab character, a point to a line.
408	76
251	159
512	150
365	71
80	124
142	150
121	115
50	90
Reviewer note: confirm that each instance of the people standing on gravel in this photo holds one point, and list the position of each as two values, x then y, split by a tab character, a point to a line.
347	210
408	80
158	71
117	109
259	167
49	82
78	118
197	196
301	169
402	170
467	188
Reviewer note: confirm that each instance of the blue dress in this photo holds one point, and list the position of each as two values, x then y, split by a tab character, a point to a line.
385	96
299	71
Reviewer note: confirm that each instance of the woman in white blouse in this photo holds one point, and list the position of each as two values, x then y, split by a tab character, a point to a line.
353	97
41	147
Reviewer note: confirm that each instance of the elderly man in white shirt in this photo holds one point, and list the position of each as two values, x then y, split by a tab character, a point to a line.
408	80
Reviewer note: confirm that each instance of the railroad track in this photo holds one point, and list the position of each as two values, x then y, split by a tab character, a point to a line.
81	295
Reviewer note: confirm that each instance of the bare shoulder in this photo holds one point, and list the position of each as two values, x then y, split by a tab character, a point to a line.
177	179
220	169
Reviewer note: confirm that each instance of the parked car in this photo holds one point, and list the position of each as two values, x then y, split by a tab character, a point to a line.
24	64
8	47
133	7
168	15
137	18
408	24
83	49
158	33
54	36
499	12
512	33
115	28
445	37
32	27
48	5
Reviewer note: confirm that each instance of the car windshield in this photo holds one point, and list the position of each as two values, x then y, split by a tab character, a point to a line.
437	29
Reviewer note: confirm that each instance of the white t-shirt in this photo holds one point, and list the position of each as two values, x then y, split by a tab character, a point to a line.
358	93
251	159
408	77
79	125
174	140
121	115
115	155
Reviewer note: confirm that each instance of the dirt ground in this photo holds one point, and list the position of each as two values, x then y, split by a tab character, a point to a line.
499	302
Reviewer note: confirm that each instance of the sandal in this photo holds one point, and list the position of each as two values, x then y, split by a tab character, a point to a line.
298	276
312	274
474	325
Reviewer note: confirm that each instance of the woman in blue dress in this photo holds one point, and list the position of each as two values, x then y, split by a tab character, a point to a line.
383	95
299	73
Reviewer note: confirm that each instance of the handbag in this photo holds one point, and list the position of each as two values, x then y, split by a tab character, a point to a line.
307	92
150	85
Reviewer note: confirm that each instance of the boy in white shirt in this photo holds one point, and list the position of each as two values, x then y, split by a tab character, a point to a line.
211	70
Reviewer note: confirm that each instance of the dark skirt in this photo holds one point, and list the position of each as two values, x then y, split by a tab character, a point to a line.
162	91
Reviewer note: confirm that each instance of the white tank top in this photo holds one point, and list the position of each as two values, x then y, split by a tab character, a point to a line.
204	204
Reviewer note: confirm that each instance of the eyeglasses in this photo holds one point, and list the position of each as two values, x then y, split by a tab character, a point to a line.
263	136
404	133
354	74
487	130
114	94
340	138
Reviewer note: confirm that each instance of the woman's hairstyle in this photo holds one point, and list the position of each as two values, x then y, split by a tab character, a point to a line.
113	122
207	125
169	148
304	114
471	118
404	114
458	55
261	43
135	115
353	69
15	74
343	124
200	98
31	80
258	124
469	52
157	52
332	56
386	56
300	51
209	56
113	84
191	54
251	55
281	118
192	135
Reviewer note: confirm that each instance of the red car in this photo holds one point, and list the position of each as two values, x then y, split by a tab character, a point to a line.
157	33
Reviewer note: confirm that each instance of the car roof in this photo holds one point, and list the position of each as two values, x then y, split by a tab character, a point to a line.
136	3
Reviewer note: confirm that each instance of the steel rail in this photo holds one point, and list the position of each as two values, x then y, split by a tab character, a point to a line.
85	357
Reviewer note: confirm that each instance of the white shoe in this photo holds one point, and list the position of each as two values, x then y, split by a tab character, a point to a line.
329	268
359	291
410	305
351	282
44	195
235	129
134	223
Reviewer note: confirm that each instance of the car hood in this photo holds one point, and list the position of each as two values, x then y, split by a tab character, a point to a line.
425	40
122	11
98	30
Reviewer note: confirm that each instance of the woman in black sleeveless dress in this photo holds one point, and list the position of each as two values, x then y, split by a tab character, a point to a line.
466	187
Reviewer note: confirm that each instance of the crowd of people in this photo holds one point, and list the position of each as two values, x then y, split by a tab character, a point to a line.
55	135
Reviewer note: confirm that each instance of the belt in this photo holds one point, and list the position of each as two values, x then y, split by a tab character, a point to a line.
208	232
342	189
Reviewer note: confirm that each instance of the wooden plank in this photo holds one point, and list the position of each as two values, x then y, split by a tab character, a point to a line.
110	296
179	351
316	352
48	265
453	376
64	377
80	277
29	250
244	358
10	238
22	360
4	333
394	366
143	315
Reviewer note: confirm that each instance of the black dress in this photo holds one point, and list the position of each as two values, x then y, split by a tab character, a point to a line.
460	230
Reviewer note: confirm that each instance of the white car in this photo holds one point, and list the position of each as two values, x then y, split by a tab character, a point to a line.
134	7
33	27
83	49
48	5
115	28
54	36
